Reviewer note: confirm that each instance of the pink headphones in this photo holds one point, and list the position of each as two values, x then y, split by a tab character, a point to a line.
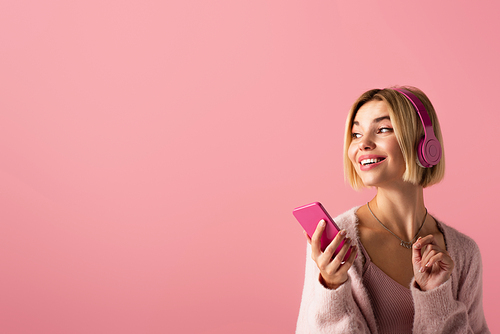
429	148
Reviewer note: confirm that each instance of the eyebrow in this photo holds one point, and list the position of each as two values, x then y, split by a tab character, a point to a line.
376	120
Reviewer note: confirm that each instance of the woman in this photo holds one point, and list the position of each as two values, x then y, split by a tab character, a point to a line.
407	272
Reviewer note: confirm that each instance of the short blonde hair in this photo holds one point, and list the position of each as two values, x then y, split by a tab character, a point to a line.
408	129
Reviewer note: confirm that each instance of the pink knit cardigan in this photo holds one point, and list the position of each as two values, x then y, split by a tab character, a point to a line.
454	307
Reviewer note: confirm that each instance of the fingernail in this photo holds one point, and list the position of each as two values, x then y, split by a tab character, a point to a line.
422	269
322	222
417	245
343	232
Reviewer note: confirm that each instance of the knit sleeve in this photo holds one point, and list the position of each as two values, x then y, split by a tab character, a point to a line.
455	306
324	310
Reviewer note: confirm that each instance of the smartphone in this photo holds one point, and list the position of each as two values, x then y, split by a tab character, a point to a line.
309	216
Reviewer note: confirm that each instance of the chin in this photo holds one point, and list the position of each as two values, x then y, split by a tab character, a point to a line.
383	183
372	184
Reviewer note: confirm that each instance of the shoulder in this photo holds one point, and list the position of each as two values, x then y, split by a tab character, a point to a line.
463	250
458	243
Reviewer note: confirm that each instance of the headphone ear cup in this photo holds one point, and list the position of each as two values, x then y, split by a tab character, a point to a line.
432	151
429	152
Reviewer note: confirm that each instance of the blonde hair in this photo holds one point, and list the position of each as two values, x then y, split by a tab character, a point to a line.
408	129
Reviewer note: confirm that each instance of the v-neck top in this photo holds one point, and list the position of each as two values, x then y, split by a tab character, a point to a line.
392	303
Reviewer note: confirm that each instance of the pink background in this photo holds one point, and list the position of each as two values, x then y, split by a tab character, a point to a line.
152	151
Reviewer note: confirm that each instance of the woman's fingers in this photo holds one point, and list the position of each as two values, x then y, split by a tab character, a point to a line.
422	243
332	247
416	252
325	260
429	249
434	256
348	263
331	265
422	248
430	252
339	258
316	239
434	259
427	253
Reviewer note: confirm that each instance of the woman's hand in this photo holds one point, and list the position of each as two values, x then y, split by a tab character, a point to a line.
432	266
333	270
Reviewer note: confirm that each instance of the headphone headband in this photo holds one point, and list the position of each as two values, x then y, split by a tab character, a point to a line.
429	148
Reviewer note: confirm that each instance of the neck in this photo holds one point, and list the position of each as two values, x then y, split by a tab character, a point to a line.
401	209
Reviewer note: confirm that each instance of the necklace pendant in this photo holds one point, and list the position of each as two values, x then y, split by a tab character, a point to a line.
406	244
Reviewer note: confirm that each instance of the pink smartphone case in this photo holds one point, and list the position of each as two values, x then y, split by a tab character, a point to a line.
309	216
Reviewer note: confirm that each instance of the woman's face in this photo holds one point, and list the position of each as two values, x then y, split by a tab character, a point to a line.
374	150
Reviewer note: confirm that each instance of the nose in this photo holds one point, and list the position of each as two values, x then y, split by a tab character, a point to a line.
366	143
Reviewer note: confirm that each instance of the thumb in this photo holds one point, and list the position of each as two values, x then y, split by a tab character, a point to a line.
417	252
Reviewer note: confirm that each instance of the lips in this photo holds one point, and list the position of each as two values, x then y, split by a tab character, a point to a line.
370	161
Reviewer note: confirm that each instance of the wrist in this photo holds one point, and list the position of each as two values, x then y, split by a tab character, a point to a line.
431	285
331	286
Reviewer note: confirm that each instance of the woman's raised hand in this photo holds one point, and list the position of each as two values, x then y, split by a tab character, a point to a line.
333	269
432	266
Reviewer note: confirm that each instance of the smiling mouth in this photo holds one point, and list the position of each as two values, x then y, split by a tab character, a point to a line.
366	162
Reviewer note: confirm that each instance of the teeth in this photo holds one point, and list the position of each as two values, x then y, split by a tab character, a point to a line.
370	161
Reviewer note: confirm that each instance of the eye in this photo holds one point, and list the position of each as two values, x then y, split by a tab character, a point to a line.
356	135
385	130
